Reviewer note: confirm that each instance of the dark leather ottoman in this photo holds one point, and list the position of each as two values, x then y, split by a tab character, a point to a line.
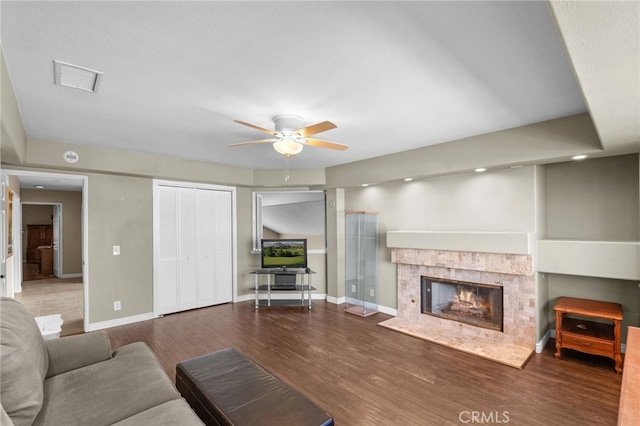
228	388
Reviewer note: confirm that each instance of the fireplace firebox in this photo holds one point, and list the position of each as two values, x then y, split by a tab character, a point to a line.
470	303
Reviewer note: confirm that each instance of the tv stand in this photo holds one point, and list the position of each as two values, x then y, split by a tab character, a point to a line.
279	280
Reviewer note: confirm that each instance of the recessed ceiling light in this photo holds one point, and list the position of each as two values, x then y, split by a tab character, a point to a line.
365	184
480	170
75	76
38	186
579	157
408	179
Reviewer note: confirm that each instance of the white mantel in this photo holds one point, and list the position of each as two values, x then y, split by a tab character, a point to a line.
481	242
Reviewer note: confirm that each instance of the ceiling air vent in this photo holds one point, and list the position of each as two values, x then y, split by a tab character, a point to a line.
75	76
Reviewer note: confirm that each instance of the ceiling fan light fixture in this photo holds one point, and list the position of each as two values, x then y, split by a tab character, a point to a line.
288	147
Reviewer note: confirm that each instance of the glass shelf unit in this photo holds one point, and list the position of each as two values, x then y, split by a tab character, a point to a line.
361	269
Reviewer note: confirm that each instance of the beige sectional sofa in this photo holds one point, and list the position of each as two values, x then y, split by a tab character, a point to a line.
78	380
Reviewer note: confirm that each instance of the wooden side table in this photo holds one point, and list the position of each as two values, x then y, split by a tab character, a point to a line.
591	337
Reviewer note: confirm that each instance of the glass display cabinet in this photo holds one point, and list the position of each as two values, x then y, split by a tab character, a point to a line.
361	269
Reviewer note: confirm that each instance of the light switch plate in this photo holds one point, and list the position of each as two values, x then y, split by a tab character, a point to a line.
116	250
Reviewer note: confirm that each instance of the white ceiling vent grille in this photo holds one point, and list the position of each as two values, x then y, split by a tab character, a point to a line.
75	76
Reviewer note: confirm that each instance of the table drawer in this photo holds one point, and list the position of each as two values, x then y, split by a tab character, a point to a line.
586	343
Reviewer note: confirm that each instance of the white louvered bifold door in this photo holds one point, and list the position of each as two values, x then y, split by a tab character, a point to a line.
194	248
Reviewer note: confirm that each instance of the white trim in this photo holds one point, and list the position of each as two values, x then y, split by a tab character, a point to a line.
388	311
234	248
16	259
85	249
485	242
336	300
76	275
543	342
119	321
245	298
382	309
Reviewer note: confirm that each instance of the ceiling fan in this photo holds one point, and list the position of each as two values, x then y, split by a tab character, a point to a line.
290	137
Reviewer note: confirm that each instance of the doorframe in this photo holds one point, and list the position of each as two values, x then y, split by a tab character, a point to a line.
60	266
17	258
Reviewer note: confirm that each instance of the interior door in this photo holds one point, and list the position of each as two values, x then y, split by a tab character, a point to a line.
187	229
56	241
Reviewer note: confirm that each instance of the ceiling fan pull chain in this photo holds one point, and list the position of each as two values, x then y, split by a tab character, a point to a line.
286	167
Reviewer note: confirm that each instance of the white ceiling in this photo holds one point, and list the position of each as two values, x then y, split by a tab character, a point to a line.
50	182
392	75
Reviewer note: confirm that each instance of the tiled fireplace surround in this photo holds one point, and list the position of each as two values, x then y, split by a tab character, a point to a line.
513	272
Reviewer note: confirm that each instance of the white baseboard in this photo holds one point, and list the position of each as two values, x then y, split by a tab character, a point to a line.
244	298
379	308
120	321
388	311
77	275
543	342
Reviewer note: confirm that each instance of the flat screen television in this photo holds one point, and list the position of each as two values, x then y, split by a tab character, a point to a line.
284	253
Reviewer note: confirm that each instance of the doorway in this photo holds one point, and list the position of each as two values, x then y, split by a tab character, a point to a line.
65	197
42	240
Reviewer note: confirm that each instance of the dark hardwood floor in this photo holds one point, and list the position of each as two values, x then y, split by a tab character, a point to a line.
364	374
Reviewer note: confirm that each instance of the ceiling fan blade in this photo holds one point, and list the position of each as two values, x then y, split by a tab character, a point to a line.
253	126
253	142
325	144
316	128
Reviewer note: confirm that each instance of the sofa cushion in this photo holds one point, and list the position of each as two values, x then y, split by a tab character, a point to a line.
80	350
107	392
176	412
23	363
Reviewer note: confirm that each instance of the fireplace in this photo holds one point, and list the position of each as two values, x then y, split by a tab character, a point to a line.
470	303
510	341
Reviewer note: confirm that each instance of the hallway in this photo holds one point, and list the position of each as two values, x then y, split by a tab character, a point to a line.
55	296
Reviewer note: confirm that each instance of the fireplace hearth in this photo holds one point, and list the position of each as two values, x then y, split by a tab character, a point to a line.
470	303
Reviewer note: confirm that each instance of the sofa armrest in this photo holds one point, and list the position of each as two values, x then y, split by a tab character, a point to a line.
71	352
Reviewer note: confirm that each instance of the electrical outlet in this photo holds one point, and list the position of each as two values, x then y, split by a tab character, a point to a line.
353	288
116	305
372	292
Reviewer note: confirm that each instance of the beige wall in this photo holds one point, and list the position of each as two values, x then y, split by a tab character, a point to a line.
599	200
247	261
120	213
626	293
594	199
12	135
501	200
36	214
71	224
